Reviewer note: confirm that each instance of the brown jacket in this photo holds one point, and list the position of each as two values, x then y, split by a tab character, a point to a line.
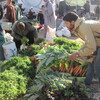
11	13
89	32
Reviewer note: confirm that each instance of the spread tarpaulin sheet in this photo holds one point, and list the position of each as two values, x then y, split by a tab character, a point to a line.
27	4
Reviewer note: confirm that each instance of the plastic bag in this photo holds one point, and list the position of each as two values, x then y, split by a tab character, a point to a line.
50	34
66	32
9	50
9	38
63	32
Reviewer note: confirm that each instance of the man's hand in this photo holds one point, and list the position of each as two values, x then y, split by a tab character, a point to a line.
73	56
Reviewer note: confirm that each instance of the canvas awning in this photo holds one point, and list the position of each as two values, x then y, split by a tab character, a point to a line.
75	2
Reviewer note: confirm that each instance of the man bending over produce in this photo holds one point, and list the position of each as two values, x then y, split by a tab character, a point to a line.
22	28
89	32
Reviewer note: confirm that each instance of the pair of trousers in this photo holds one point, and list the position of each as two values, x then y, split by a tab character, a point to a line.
93	67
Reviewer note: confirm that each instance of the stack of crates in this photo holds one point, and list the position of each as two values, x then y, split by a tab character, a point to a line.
2	41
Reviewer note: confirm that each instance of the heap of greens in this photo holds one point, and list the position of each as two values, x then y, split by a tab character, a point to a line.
15	76
54	85
46	84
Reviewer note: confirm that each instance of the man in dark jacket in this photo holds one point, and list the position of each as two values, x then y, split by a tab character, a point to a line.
22	28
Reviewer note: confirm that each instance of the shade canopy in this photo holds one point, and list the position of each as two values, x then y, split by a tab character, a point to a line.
75	2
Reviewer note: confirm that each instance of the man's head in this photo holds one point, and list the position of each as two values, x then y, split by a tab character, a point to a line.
43	7
69	20
13	2
21	26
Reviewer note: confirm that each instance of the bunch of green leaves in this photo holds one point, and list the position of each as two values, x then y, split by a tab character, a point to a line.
54	85
30	51
40	40
55	80
51	57
67	44
25	40
12	85
77	90
22	64
73	90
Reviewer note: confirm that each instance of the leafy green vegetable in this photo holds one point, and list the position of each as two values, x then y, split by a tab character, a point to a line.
40	40
12	85
51	57
22	64
25	40
30	51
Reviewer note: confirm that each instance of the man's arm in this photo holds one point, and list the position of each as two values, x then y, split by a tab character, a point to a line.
90	43
35	35
34	32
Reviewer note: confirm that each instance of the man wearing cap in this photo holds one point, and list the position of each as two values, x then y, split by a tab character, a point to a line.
22	28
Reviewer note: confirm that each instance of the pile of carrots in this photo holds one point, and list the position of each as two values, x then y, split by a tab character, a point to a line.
75	71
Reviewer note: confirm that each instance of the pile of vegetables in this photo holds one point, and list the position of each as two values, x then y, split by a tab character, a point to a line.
15	76
50	83
44	72
12	85
54	85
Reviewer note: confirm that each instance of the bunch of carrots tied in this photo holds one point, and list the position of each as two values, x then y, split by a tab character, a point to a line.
75	70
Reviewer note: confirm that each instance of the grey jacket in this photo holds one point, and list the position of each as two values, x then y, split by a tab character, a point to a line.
28	28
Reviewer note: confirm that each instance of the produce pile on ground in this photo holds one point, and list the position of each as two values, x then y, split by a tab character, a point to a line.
43	72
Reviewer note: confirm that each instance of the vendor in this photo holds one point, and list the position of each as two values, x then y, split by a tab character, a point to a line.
22	28
89	32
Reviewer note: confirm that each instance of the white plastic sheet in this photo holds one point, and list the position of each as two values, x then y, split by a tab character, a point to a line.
36	4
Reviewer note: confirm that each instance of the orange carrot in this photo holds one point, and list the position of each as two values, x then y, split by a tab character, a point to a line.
71	71
83	70
77	70
80	71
